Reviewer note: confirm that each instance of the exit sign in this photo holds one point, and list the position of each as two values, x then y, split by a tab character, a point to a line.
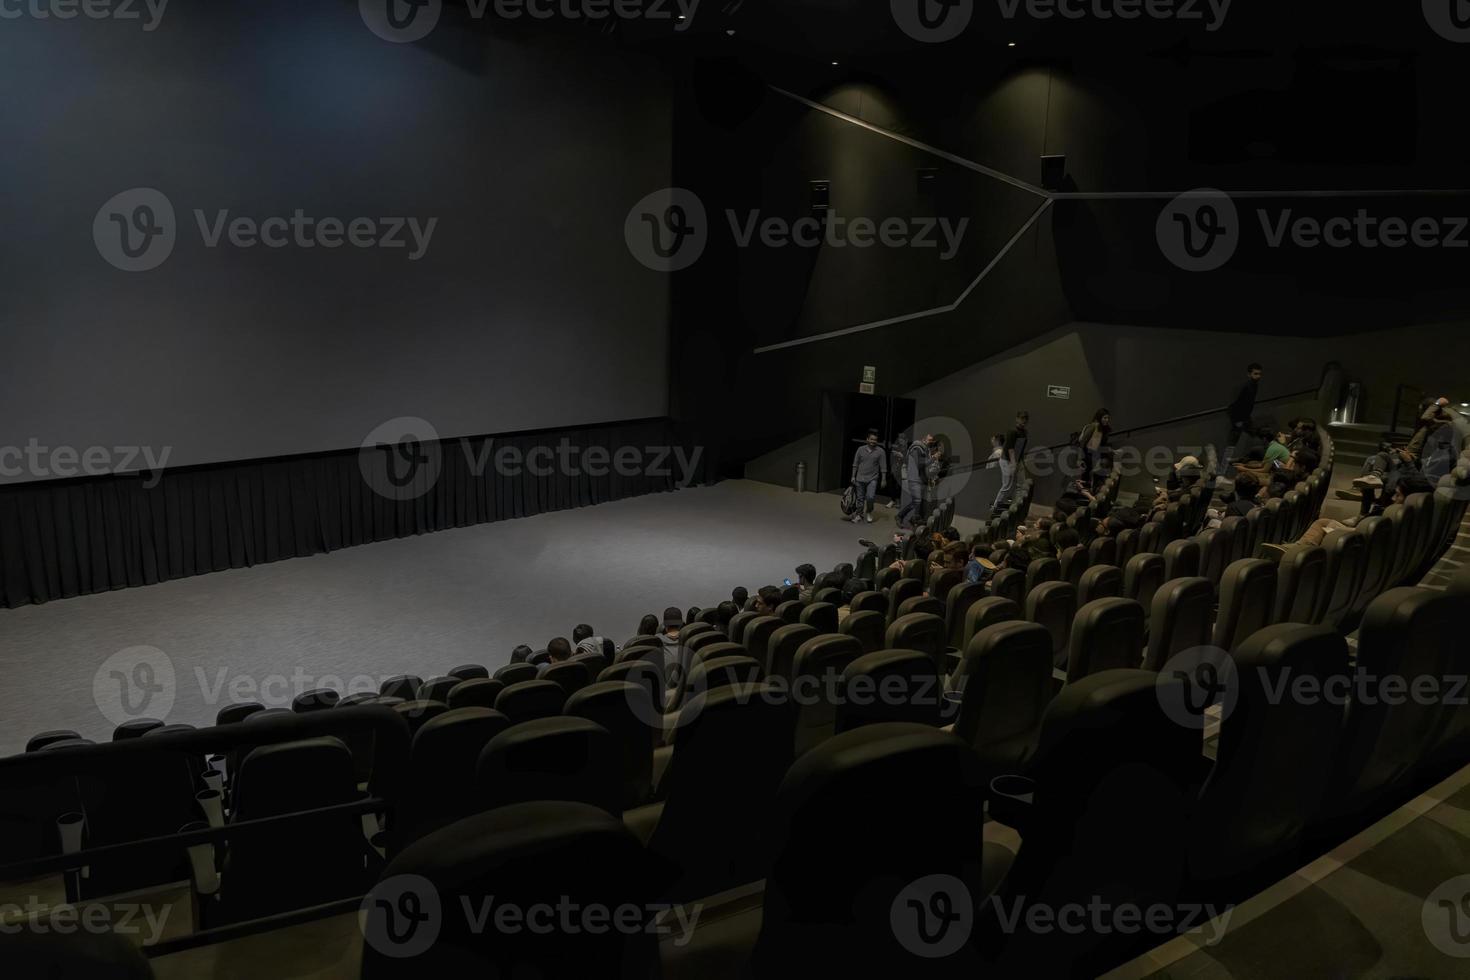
1059	391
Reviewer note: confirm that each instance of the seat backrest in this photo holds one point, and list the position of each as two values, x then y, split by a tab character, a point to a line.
782	647
507	675
1074	562
1099	582
1107	634
889	685
870	601
943	580
1288	518
814	878
1378	559
477	692
442	758
529	700
1258	798
627	712
1299	579
919	631
647	674
885	577
1042	570
731	748
730	670
556	758
434	689
1102	551
1009	583
988	612
816	684
1181	559
1407	634
758	633
921	603
1004	683
957	605
1142	578
416	713
904	588
571	675
405	686
712	651
1342	579
1214	549
1255	531
1237	535
1179	620
1173	523
1052	605
867	628
1151	538
1247	601
790	611
1127	544
738	622
821	616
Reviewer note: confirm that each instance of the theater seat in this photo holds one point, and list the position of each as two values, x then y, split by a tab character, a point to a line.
646	674
1042	570
1377	561
904	588
557	758
627	712
1099	582
1342	578
731	749
1247	600
1179	620
1298	585
1142	578
1214	553
1258	799
921	604
136	728
515	674
1127	545
477	692
870	682
919	631
835	880
719	672
782	647
237	712
440	788
988	612
1073	564
867	627
816	681
524	856
820	616
1181	559
713	651
1052	605
758	637
469	672
957	604
405	686
530	700
870	601
1106	634
738	622
1009	583
1102	551
571	676
316	700
40	740
438	688
1004	684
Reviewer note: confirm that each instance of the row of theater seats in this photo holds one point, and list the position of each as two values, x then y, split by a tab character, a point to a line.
691	776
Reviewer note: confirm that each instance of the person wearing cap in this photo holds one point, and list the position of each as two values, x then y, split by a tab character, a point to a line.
1185	474
806	576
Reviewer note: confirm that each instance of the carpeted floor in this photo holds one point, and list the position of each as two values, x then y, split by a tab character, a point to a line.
419	605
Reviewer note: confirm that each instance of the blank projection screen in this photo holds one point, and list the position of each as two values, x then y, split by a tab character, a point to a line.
360	230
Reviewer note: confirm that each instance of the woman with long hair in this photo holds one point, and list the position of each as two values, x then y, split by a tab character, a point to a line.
1093	439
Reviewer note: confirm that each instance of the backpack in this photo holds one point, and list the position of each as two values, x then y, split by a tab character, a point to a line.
849	501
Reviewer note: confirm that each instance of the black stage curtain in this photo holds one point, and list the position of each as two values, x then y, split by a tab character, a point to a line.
75	537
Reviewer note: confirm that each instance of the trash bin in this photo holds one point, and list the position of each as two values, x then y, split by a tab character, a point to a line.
1350	402
801	477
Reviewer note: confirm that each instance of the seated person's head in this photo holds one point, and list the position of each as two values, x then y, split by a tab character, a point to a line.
1246	486
521	654
580	632
1065	537
955	554
1304	461
1065	506
559	650
851	588
767	599
806	574
739	596
951	534
648	625
725	612
673	621
1408	486
923	547
692	616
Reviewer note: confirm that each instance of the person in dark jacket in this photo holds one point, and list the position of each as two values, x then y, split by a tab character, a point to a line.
916	467
869	470
1241	406
1093	440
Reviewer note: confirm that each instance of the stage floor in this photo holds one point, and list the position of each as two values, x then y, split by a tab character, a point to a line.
419	605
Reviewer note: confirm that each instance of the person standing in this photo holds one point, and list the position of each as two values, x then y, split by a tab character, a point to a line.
915	477
869	469
1093	440
1010	458
1242	406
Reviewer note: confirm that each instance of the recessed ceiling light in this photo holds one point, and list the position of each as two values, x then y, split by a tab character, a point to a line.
730	32
834	64
1011	44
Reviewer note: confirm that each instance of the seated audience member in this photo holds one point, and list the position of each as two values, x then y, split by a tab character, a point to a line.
647	626
586	642
1380	469
725	612
674	655
740	596
950	535
521	654
1285	476
558	651
1404	488
1304	435
1183	475
1247	488
1064	537
692	616
767	598
979	568
850	589
955	556
1035	542
806	575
